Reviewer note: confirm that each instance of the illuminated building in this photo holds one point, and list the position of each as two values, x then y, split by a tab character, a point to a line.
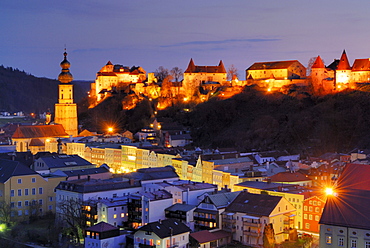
115	77
66	109
195	76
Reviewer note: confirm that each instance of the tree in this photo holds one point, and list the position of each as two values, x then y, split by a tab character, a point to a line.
5	212
70	214
161	73
176	73
232	72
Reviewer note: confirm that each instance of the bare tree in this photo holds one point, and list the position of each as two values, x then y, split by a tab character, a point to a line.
176	73
232	72
161	73
69	213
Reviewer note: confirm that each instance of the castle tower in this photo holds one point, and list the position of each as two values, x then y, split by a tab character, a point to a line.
343	72
66	109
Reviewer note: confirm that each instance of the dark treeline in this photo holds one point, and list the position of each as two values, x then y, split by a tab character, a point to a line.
297	122
20	91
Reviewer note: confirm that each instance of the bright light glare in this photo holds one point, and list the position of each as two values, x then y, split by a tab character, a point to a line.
110	129
329	191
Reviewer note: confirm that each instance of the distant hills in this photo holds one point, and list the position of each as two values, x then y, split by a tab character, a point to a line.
20	91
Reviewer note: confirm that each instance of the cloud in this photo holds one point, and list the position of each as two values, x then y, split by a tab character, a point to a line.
217	42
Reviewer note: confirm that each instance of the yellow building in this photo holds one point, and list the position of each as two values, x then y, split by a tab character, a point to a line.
66	109
207	169
128	161
290	192
27	192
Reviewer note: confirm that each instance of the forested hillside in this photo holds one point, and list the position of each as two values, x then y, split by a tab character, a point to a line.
20	91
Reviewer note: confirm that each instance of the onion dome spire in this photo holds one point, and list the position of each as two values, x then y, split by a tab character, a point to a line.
65	76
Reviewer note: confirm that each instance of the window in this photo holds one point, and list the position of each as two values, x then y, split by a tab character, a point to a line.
19	204
328	239
12	204
305	216
19	192
310	217
50	207
19	181
12	192
341	241
26	203
317	218
122	215
33	191
19	212
317	209
50	198
25	191
315	203
40	191
307	225
26	212
114	216
305	208
367	244
33	179
40	202
353	243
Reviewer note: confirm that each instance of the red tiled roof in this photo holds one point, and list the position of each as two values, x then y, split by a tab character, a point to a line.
39	131
343	62
288	177
192	68
361	65
354	176
272	65
318	63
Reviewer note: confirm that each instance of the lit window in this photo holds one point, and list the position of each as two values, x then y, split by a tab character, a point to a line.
114	216
122	215
328	239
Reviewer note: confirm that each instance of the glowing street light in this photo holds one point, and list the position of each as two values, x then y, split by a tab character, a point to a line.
110	130
329	191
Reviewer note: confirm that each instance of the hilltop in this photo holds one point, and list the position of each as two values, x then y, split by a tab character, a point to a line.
21	91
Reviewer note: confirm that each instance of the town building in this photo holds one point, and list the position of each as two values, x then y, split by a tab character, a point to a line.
181	213
207	239
50	164
250	216
312	210
103	235
26	191
162	234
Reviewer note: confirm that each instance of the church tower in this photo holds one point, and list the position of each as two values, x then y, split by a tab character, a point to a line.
66	109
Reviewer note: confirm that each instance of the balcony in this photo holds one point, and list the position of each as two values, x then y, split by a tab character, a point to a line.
228	221
251	224
289	222
250	233
202	218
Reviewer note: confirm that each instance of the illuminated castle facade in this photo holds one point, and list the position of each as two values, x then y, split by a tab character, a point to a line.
66	109
115	77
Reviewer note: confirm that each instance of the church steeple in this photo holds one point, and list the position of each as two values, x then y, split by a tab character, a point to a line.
66	109
65	76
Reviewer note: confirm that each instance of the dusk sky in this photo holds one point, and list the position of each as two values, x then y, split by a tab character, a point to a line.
168	33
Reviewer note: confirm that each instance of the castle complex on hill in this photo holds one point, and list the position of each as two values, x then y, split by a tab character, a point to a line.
202	82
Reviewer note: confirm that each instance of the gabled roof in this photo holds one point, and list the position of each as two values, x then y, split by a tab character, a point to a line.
206	236
343	62
361	65
39	131
223	199
9	168
102	227
289	177
181	207
91	171
272	65
354	176
165	228
254	204
192	68
318	63
350	208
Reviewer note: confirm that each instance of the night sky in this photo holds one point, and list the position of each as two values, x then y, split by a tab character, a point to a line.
168	33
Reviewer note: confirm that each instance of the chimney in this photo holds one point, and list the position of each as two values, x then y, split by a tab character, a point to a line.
132	182
78	176
88	178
